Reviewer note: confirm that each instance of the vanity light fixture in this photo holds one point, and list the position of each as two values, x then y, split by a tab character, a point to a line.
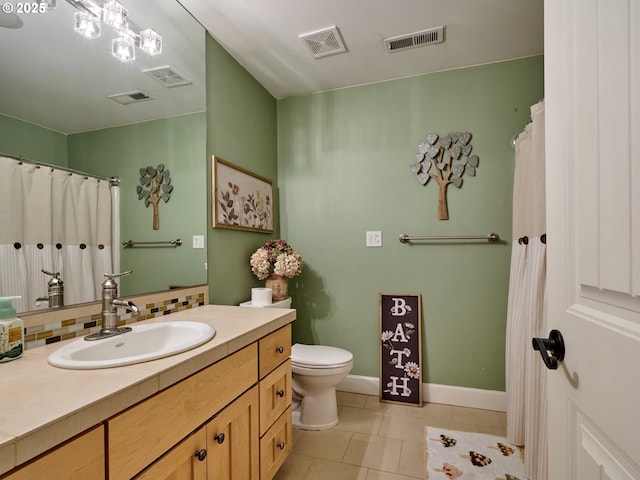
150	42
87	25
49	4
114	14
123	48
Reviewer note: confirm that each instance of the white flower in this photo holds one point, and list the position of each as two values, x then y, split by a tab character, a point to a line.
412	369
388	335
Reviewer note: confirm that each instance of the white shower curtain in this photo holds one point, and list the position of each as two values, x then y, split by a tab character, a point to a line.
525	371
57	221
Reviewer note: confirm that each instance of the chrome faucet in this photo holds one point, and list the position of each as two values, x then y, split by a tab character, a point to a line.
110	301
55	291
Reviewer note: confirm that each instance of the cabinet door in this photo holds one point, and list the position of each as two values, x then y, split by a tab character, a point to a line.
185	461
275	446
79	459
233	443
275	395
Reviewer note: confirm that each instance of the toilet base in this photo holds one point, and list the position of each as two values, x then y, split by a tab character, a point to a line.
295	420
315	413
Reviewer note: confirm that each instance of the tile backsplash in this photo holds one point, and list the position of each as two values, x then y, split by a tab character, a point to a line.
50	326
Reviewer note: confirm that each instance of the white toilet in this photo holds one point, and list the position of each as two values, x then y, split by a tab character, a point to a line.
317	369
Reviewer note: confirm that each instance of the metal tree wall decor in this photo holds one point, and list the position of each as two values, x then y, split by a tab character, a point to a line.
450	156
155	185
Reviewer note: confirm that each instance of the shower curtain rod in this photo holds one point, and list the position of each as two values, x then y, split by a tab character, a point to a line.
113	181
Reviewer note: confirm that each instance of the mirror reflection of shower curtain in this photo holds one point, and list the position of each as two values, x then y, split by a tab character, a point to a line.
526	314
57	221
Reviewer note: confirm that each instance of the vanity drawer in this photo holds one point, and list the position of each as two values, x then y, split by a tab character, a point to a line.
275	395
275	348
275	446
78	459
143	433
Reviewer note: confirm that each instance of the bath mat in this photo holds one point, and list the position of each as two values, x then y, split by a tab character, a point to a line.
464	455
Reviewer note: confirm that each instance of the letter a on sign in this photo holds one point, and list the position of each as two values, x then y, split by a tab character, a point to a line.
400	349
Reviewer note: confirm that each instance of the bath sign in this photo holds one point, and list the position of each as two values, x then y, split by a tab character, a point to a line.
400	349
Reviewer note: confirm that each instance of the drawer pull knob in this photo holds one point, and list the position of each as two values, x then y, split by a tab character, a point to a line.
280	349
281	445
280	393
201	454
219	438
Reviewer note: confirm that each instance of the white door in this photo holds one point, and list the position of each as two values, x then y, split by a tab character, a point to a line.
592	97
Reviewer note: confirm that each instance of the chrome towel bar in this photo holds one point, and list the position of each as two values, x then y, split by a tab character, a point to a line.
172	243
491	237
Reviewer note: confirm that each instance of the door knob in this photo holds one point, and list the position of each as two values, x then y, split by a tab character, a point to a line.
551	349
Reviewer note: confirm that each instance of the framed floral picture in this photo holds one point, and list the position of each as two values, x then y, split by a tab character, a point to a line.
401	349
241	199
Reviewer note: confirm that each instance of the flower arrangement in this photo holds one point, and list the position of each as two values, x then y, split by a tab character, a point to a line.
278	258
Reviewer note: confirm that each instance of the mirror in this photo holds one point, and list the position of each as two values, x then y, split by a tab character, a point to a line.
56	89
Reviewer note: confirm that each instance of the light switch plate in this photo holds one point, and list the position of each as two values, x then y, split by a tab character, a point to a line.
374	239
198	241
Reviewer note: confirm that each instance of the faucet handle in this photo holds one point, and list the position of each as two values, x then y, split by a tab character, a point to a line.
56	274
116	275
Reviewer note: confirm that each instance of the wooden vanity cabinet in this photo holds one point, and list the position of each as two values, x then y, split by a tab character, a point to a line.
275	401
225	448
78	459
140	435
230	421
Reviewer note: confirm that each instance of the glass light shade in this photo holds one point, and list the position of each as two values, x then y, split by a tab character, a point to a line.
115	15
87	25
123	48
50	4
150	42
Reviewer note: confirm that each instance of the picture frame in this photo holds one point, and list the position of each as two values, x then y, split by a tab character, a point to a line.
401	349
241	200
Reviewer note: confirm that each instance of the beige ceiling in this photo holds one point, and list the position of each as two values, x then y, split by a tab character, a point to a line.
262	35
51	77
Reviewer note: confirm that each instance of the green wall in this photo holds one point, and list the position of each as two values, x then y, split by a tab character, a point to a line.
343	169
179	144
241	128
22	139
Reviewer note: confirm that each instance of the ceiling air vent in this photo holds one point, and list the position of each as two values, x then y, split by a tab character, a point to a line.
130	97
167	76
324	42
413	40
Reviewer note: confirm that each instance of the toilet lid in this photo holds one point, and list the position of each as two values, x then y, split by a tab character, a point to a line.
319	355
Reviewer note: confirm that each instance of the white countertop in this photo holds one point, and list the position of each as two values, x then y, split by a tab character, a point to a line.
42	406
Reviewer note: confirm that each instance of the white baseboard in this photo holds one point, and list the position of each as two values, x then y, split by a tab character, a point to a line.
434	393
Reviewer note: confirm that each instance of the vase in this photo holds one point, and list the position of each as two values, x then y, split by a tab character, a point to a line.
279	286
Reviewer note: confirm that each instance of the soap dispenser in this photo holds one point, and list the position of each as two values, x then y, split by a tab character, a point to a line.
11	331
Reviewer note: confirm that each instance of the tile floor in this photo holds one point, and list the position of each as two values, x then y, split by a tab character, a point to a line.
378	441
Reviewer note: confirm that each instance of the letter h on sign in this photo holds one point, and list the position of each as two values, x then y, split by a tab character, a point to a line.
400	349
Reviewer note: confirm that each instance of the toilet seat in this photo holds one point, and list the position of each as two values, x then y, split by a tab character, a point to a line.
319	356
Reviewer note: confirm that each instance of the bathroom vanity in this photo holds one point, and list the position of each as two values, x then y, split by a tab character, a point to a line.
219	411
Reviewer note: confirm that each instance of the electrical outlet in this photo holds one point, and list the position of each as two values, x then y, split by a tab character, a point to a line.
374	239
198	241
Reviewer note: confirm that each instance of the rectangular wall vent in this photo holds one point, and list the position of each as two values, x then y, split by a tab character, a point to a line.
167	76
416	39
324	42
130	97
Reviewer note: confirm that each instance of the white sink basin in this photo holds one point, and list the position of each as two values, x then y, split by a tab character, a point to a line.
143	343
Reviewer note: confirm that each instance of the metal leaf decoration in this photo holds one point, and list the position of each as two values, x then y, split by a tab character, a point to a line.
452	156
155	185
